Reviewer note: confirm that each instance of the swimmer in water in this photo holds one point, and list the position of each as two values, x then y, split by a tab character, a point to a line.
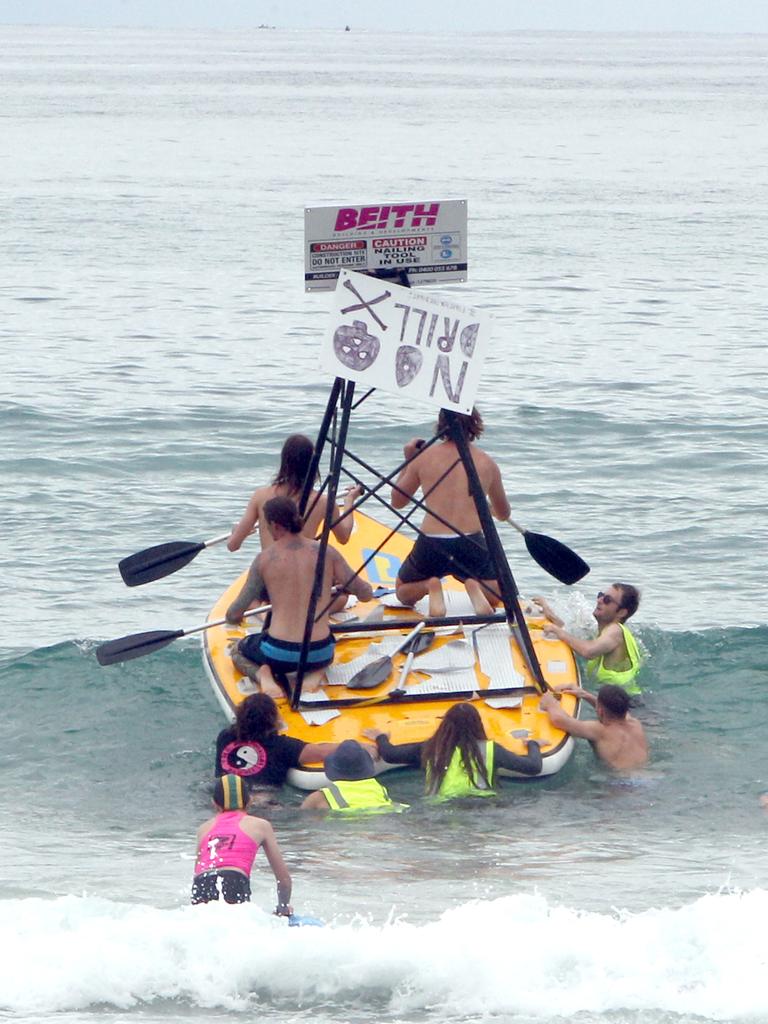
617	738
227	845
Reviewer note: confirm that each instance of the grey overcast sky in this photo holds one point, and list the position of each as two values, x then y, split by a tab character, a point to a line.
402	15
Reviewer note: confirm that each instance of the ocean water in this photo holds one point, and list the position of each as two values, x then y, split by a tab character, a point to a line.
157	346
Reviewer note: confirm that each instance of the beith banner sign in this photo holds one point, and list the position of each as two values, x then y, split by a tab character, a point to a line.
427	240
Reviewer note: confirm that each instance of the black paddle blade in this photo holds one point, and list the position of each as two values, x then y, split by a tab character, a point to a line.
381	669
419	643
372	675
555	558
156	562
125	648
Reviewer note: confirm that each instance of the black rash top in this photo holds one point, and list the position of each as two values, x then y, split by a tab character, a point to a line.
263	762
410	753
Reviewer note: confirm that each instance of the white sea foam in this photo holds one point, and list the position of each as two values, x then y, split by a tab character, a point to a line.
517	954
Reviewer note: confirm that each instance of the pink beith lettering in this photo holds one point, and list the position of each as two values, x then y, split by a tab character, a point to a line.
346	219
427	214
400	213
379	217
368	216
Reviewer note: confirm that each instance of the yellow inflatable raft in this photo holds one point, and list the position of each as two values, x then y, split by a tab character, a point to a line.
478	662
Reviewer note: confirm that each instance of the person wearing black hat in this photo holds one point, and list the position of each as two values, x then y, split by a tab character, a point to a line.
353	788
227	845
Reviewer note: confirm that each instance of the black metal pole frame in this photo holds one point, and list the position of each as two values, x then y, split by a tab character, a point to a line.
342	392
504	577
330	409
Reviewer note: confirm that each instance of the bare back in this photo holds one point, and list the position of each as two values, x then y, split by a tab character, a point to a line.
621	743
450	499
254	515
288	570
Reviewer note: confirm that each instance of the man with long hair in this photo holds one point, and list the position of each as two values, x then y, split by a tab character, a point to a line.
440	475
295	462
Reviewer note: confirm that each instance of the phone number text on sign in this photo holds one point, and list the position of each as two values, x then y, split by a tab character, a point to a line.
402	341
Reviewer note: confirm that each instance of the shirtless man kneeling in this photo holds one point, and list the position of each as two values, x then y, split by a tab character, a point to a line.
287	570
433	556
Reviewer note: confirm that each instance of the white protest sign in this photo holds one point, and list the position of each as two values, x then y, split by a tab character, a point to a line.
405	342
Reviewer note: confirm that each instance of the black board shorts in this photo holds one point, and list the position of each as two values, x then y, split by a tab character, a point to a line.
231	886
463	557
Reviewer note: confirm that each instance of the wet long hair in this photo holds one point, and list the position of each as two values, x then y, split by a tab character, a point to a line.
471	425
462	727
257	718
295	460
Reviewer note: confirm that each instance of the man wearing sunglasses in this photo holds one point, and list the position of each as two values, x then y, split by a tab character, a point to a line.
613	656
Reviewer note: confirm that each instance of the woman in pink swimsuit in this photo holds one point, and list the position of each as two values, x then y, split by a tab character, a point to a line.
226	847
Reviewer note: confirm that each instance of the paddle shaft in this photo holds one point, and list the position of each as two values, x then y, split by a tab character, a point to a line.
412	652
225	622
406	640
137	645
406	670
404	673
217	540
